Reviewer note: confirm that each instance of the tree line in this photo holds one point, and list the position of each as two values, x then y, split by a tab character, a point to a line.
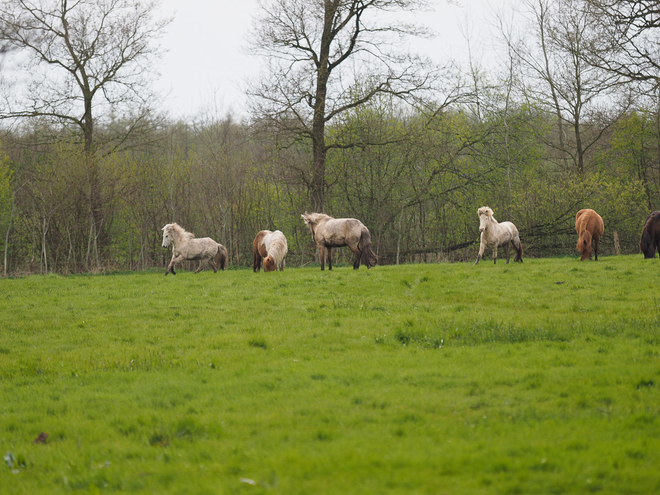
566	121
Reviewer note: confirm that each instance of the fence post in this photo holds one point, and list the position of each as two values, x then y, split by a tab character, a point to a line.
617	246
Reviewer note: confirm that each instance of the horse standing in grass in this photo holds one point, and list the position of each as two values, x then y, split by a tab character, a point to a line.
329	232
186	247
650	240
494	234
271	247
588	225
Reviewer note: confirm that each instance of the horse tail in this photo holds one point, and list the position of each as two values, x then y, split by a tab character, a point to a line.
368	257
221	257
519	251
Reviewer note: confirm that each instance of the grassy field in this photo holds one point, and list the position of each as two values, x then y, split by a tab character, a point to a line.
438	378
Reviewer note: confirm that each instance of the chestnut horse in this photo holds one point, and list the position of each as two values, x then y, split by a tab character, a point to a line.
329	232
650	240
186	247
271	247
589	225
494	234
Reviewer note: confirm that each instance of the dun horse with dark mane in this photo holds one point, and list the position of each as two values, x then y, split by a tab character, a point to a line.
186	247
589	225
329	232
650	240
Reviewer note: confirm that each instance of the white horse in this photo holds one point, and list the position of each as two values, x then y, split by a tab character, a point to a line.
275	246
186	247
494	234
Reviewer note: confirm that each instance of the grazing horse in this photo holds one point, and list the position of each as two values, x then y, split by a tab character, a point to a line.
271	247
650	240
329	232
494	234
258	250
589	225
186	247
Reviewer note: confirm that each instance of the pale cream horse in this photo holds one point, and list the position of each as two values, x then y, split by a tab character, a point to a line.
494	234
329	232
186	247
275	247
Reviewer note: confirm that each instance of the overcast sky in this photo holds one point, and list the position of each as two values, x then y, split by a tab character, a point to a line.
205	67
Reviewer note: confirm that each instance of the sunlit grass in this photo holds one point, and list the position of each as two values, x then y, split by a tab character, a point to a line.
533	378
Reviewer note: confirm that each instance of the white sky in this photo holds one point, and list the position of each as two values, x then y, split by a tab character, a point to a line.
205	67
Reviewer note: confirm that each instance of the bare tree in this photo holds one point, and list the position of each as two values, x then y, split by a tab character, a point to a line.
563	80
76	62
629	38
325	58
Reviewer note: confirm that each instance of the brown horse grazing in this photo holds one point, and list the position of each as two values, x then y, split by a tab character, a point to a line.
650	240
589	225
271	247
329	232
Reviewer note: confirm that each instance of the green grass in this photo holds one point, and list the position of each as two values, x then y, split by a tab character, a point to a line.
445	378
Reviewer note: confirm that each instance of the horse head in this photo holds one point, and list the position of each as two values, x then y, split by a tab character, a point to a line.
312	220
169	233
269	264
584	244
646	244
485	217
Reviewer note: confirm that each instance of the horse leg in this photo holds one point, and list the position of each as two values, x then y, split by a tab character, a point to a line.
329	258
322	256
358	256
506	252
596	241
495	254
170	267
482	248
199	268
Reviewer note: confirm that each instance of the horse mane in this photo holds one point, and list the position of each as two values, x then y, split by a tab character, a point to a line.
647	243
485	210
646	240
178	231
276	250
314	218
278	247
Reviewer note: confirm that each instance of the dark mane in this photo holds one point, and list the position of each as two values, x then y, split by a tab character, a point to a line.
650	240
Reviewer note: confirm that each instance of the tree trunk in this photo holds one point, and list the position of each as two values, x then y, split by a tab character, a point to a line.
11	219
93	177
319	149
